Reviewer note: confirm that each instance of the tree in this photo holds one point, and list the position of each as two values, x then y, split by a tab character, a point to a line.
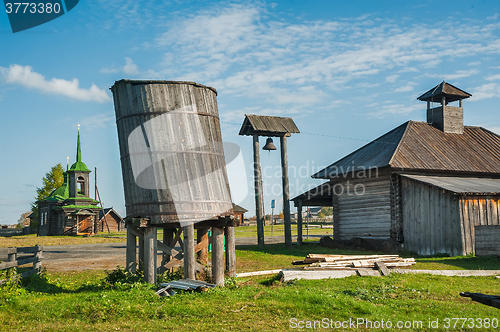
51	181
23	220
325	211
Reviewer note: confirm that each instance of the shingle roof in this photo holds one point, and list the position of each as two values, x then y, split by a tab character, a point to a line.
107	211
419	146
452	93
320	196
460	185
237	208
265	125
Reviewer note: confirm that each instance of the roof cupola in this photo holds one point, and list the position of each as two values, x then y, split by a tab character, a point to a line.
449	119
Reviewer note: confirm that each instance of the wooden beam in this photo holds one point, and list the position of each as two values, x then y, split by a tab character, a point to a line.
189	261
230	251
202	239
218	256
257	273
299	222
336	217
169	251
202	245
141	253
382	267
168	237
131	254
286	193
150	255
258	192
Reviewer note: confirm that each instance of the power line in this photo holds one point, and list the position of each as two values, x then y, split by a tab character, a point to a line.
326	135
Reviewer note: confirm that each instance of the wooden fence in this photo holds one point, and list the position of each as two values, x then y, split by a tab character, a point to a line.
17	257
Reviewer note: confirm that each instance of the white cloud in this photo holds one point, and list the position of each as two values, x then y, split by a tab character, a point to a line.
486	91
406	88
493	77
243	50
392	78
246	51
394	109
367	85
25	76
461	74
456	75
98	121
130	68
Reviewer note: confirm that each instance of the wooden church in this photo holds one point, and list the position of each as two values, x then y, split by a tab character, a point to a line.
69	210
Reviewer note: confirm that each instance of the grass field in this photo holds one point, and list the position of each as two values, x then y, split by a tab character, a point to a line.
85	301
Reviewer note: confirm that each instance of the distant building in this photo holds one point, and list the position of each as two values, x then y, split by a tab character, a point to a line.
69	210
111	220
239	214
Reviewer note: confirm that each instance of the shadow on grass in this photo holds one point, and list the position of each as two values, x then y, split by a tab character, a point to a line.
303	250
462	262
40	283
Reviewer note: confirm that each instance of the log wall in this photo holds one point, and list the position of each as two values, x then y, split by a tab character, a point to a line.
362	208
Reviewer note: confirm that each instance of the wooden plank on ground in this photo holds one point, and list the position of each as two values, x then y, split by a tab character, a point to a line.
383	268
458	273
287	275
368	273
257	273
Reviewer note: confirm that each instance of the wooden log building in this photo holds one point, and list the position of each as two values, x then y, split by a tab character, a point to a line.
239	214
110	219
69	210
428	187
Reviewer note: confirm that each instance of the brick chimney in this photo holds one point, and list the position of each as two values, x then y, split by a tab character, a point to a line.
449	119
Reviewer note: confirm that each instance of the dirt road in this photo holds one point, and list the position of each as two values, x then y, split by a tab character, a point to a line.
107	256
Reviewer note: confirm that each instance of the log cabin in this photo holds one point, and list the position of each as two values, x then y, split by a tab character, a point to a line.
426	187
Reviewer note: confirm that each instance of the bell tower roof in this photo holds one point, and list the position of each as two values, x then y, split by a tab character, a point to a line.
444	89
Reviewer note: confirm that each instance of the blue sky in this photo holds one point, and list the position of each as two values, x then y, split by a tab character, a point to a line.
346	71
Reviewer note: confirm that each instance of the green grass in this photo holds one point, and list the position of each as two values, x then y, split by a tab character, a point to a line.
85	301
32	240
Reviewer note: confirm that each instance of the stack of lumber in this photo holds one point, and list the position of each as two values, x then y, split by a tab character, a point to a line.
317	261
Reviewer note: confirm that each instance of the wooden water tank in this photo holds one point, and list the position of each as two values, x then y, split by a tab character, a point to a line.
171	151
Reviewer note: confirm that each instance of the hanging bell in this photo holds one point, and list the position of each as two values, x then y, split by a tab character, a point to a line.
269	145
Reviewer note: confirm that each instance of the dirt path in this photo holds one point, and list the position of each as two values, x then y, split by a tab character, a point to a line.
107	256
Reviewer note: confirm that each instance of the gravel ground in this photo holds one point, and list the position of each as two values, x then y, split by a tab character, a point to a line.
107	256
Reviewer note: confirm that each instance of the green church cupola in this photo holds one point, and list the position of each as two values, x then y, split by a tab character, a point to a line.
79	165
78	175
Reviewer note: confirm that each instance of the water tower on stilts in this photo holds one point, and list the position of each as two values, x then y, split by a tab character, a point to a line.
174	177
